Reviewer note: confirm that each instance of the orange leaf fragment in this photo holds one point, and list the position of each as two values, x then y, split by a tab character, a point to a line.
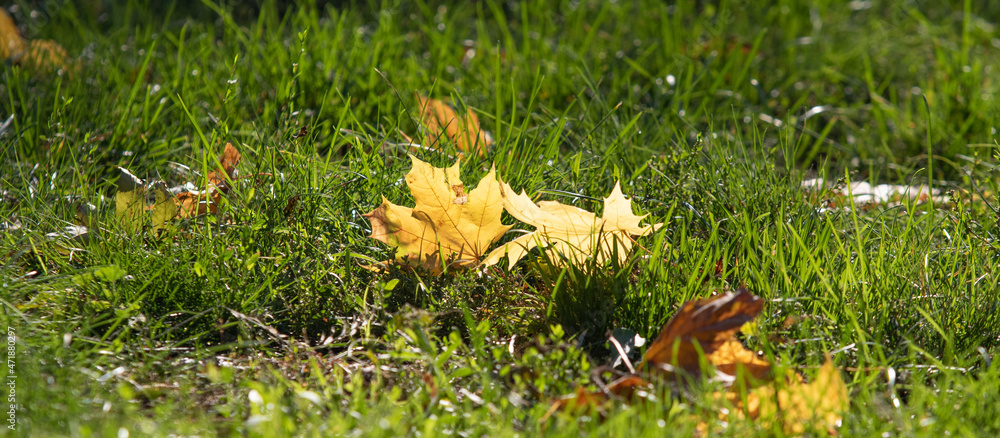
192	204
578	401
628	386
441	121
228	160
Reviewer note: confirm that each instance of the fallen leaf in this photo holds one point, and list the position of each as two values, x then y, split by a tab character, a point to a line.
194	203
11	42
707	325
130	201
291	208
74	233
797	406
39	55
164	209
703	330
86	215
191	204
572	232
700	330
228	160
732	356
447	228
442	122
629	386
580	401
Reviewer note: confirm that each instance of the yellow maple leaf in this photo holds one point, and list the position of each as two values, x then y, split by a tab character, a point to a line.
447	228
572	232
441	121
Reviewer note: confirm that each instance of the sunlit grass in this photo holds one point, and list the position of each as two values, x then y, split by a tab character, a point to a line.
262	320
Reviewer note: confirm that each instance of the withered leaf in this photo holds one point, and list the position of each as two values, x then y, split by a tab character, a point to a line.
789	404
192	204
227	161
711	323
43	55
732	356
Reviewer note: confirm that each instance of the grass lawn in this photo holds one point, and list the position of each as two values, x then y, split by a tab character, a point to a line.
274	314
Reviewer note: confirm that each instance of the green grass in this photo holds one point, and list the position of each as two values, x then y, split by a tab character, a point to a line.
711	116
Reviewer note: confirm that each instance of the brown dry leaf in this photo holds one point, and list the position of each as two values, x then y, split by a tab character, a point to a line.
629	386
291	208
228	160
792	405
574	233
580	401
441	121
448	228
711	324
192	204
